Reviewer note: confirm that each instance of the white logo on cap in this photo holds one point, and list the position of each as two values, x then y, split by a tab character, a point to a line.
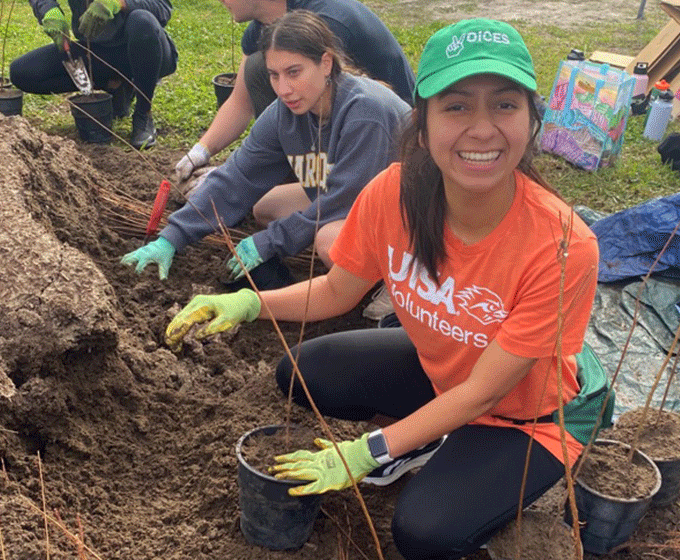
457	43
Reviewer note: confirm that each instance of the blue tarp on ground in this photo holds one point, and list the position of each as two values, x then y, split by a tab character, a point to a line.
630	240
609	332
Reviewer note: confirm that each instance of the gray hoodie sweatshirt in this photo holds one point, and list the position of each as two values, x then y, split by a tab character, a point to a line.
357	142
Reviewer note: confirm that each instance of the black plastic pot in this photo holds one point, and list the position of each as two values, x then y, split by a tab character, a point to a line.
670	482
224	85
609	520
270	517
93	115
11	101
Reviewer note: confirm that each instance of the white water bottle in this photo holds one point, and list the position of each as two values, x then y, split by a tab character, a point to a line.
659	116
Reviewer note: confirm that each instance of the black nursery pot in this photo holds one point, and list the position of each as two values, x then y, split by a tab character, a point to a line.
93	115
270	517
11	101
609	520
670	482
224	85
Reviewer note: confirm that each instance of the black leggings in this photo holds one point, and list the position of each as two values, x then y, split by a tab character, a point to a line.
469	489
147	56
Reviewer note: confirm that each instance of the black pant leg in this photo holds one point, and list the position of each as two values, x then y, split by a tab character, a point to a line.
468	491
41	71
257	82
355	375
150	55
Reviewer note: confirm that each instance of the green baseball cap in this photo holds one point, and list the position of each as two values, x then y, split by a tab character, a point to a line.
471	47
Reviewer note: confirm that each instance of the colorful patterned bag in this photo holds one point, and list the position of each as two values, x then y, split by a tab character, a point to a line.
587	113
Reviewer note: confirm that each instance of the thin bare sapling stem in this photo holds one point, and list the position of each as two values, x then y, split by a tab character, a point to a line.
624	351
562	255
318	177
44	508
324	425
655	384
4	37
671	376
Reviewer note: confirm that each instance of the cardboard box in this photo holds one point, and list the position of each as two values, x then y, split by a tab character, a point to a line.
662	53
672	8
615	60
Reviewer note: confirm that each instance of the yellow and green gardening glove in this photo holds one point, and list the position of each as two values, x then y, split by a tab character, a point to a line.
250	257
224	312
55	25
97	16
324	469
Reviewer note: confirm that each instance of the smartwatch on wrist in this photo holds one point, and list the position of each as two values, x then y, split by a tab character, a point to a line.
377	445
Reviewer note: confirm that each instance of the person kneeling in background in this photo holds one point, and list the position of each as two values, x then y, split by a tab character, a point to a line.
127	35
335	130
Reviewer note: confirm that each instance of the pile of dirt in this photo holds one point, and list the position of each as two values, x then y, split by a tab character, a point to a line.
133	440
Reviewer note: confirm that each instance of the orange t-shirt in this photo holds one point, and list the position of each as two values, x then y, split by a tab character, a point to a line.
505	287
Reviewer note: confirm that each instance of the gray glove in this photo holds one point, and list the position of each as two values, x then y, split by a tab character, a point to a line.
198	156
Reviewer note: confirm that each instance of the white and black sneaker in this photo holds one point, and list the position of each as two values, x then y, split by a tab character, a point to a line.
389	472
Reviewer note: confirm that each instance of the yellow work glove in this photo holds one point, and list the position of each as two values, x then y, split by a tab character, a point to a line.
55	25
224	312
97	16
324	468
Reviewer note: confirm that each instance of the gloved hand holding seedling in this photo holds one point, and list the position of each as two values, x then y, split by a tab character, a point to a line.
250	257
55	25
324	469
97	16
159	251
224	312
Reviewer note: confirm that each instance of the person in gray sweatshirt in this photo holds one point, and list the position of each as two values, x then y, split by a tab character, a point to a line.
335	130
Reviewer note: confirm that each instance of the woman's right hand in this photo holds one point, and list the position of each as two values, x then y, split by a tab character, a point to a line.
224	312
160	252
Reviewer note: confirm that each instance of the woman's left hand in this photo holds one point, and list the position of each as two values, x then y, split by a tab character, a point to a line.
324	469
250	257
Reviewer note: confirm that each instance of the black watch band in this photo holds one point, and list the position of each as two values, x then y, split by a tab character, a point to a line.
377	445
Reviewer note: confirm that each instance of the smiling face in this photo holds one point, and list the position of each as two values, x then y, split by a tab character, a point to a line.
477	132
299	81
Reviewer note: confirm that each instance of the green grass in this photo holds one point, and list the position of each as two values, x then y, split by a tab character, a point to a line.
202	29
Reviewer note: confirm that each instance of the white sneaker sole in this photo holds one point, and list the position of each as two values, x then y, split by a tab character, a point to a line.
400	469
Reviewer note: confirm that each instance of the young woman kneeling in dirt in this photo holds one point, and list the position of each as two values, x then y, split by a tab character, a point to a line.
335	130
469	241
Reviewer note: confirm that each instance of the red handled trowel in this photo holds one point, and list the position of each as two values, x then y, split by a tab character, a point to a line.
76	69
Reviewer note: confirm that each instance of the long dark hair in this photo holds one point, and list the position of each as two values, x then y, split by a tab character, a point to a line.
304	33
421	197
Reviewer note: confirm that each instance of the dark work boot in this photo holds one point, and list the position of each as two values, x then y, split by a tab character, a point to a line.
143	130
122	98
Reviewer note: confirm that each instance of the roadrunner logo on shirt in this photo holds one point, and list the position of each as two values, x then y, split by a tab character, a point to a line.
457	43
482	304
